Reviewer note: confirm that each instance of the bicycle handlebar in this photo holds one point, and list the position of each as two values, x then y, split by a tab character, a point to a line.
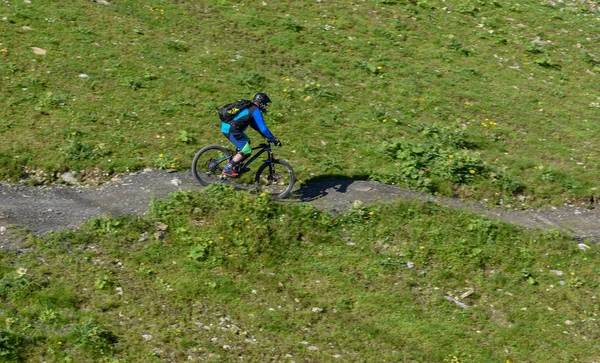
263	145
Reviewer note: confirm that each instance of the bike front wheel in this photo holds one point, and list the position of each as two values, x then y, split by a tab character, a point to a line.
209	163
276	178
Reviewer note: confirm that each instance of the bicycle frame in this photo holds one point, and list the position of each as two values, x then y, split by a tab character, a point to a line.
263	148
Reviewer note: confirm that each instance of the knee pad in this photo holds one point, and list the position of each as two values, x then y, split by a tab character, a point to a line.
246	151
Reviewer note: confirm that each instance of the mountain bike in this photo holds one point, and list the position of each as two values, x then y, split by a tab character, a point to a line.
274	176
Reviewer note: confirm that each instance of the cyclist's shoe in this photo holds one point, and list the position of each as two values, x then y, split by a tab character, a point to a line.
238	168
228	171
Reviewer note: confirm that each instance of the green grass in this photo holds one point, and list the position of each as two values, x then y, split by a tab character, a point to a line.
235	275
123	83
479	99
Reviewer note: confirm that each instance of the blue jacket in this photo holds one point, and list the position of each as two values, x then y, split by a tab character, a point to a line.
251	117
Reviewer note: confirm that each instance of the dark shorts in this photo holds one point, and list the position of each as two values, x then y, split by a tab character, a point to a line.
240	140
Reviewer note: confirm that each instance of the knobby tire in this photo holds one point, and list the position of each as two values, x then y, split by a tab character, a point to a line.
205	168
281	187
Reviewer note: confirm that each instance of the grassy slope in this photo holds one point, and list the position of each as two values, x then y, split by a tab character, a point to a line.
381	278
159	68
239	276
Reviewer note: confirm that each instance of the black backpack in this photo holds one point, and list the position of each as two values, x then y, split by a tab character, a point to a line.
228	112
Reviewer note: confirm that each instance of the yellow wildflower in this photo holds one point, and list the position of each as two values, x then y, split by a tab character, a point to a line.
161	155
472	171
384	120
371	213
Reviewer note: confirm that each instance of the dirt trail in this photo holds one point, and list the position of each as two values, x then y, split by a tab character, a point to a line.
55	207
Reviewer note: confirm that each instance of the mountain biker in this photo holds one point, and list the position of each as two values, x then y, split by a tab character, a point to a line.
234	131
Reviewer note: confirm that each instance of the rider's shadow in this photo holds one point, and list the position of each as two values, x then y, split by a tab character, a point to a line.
320	187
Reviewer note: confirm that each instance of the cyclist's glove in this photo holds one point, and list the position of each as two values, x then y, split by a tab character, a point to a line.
276	142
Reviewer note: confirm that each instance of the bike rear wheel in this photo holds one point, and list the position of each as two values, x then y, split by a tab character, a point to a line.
209	163
276	178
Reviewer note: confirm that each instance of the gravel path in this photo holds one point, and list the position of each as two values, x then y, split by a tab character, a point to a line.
55	207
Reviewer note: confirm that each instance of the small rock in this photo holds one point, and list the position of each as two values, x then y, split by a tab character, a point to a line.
147	337
68	177
227	347
26	27
161	226
317	310
557	272
410	264
2	230
312	347
143	237
83	75
38	51
467	294
160	235
103	2
569	322
176	182
583	246
157	351
562	283
119	290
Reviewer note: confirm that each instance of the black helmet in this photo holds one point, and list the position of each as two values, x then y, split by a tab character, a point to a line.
261	99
